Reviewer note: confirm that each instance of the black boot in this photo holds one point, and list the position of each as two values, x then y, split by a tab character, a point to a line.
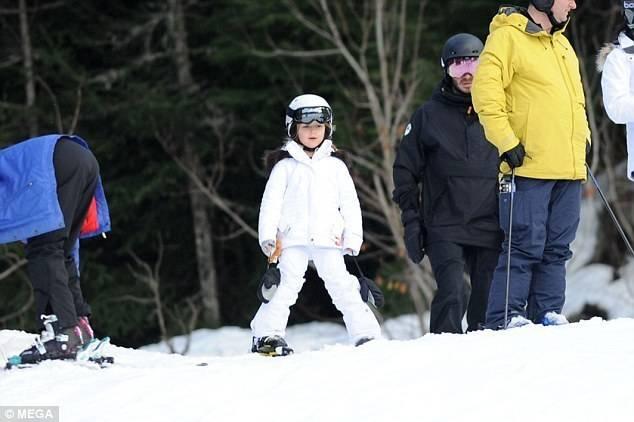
270	346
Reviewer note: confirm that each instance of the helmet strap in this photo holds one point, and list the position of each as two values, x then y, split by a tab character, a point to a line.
556	25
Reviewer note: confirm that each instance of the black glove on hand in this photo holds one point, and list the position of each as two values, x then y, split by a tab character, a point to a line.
268	283
588	150
370	292
515	156
414	242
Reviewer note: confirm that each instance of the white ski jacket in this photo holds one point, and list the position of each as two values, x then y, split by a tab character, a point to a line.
617	84
311	202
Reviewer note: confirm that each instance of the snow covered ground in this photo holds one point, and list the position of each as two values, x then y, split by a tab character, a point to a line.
580	372
575	373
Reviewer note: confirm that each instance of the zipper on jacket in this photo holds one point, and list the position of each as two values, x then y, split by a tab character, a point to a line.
571	99
466	130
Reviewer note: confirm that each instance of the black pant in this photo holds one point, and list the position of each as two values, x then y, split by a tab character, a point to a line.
450	261
51	267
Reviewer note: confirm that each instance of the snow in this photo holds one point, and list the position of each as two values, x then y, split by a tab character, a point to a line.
580	372
596	286
230	341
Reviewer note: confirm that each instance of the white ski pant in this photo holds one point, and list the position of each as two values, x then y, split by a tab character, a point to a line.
272	317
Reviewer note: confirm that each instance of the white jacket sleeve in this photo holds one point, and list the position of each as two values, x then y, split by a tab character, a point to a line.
350	211
272	202
615	84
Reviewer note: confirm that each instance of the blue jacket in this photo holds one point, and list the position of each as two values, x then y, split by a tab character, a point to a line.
28	192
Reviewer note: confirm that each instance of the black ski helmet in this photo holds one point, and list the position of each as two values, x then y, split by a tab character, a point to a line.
460	45
628	13
543	5
546	6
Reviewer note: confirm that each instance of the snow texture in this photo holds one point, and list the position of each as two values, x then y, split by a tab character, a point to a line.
578	372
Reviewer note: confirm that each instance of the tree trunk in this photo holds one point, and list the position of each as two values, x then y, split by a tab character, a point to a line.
27	64
200	216
204	248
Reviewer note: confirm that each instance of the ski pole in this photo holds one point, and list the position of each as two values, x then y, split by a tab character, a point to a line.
607	205
508	255
354	258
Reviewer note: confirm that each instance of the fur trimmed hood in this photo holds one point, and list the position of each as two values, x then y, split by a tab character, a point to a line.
623	42
602	56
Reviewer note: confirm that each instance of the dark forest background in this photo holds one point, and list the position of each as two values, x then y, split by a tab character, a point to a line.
179	100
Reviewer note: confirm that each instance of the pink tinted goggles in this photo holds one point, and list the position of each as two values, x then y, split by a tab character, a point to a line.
461	66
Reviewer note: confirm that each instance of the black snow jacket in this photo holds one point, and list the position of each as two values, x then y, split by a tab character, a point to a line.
444	149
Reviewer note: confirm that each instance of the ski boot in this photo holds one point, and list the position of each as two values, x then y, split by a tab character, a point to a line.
553	318
51	344
518	321
270	346
363	340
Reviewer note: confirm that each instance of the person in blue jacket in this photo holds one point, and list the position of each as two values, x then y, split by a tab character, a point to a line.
51	195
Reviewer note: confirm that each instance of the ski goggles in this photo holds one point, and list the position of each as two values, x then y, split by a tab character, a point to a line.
460	66
308	115
628	10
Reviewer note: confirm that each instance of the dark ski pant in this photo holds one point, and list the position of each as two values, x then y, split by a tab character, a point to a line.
51	267
545	221
454	297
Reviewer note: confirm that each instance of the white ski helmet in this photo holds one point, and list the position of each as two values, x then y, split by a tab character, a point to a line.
308	108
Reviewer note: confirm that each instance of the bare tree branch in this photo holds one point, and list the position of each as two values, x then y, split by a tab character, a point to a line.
209	191
308	23
48	6
278	52
12	268
75	121
24	307
58	114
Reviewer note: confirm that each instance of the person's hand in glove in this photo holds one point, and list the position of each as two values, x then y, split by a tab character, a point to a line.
515	156
414	242
588	150
268	283
370	292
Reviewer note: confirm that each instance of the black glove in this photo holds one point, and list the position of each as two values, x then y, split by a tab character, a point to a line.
370	292
588	150
414	242
268	283
515	156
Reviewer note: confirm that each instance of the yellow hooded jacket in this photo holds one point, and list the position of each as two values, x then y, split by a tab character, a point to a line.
528	89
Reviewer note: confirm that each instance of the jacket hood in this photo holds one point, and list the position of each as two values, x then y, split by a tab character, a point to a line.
602	56
517	17
297	152
623	42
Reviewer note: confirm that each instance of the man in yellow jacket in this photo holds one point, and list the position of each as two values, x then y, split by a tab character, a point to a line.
530	100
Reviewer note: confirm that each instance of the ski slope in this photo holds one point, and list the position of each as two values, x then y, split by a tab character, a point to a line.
580	372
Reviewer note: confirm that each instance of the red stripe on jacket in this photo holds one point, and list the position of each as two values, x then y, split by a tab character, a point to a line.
91	222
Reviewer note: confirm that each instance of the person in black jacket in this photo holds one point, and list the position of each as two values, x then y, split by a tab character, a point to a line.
455	220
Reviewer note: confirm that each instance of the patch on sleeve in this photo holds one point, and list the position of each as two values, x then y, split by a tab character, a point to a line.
408	129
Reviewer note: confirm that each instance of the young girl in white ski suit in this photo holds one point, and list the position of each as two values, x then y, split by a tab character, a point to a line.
616	60
310	204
